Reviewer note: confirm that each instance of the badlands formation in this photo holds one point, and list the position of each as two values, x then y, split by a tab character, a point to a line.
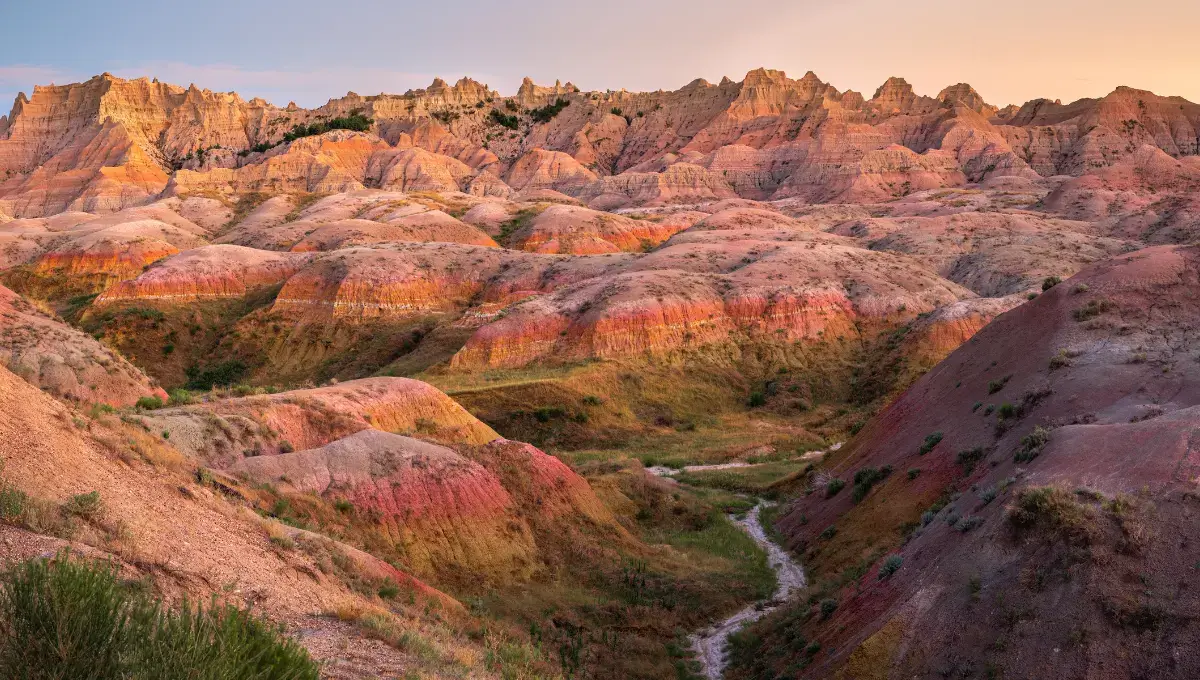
298	353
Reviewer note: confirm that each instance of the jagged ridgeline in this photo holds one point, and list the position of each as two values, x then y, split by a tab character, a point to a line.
290	358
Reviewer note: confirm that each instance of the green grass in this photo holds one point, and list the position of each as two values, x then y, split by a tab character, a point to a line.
723	539
71	618
755	479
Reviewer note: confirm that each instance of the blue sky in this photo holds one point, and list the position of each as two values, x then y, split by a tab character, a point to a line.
309	51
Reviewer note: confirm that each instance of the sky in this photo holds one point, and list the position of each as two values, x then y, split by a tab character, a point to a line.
309	51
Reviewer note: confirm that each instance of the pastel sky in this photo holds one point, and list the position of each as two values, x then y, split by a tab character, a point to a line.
311	50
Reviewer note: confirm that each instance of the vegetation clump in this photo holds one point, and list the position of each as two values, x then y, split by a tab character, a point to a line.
931	440
504	120
866	478
1092	309
890	566
1032	445
546	113
68	618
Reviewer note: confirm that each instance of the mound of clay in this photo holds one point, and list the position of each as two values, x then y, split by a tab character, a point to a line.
449	513
579	231
223	432
63	361
217	271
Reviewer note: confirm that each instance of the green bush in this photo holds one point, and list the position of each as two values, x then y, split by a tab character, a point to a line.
890	566
828	607
85	505
969	458
218	375
931	440
866	478
149	403
179	397
549	111
756	399
1050	282
833	487
66	618
505	120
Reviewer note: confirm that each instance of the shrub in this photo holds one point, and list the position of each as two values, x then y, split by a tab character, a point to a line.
149	403
502	119
1051	509
204	477
833	487
12	502
65	618
866	478
549	111
756	399
389	590
931	440
1093	308
344	506
969	458
976	406
890	566
830	532
179	397
1007	410
927	517
968	523
997	385
355	121
1032	444
85	505
592	400
1050	282
988	495
828	607
990	408
286	447
219	375
913	473
1059	360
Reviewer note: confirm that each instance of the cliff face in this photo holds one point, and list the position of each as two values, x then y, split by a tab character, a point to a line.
109	143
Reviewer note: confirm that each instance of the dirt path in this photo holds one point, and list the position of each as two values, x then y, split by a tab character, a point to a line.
664	471
710	644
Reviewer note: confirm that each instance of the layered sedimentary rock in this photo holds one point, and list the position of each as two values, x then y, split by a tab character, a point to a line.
448	513
579	231
223	432
215	271
110	143
701	288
